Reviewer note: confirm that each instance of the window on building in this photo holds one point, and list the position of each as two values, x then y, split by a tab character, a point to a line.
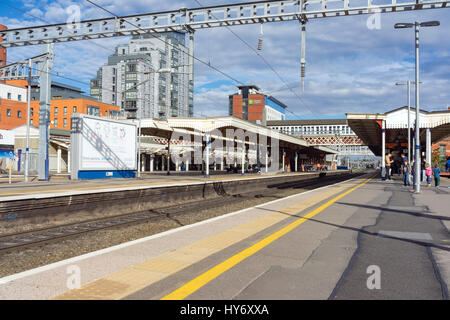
65	111
19	114
31	122
55	122
9	95
19	97
55	112
65	122
93	110
131	68
8	112
74	109
31	112
131	76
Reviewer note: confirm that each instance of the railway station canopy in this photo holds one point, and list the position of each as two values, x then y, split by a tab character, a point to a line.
161	130
368	127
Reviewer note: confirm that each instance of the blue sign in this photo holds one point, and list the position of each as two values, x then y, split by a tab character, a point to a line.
7	154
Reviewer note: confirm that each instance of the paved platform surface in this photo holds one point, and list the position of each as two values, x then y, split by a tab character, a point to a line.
67	187
314	245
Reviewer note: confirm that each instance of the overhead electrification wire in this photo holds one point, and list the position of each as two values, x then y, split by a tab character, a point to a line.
168	43
268	64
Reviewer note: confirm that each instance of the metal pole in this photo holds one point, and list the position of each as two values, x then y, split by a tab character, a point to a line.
383	150
191	71
428	146
27	149
10	161
139	150
168	156
207	157
44	113
409	123
243	158
417	186
303	55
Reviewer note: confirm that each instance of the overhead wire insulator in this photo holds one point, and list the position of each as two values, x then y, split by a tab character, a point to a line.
260	40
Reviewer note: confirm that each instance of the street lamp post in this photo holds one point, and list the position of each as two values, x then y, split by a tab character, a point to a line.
408	83
27	148
416	25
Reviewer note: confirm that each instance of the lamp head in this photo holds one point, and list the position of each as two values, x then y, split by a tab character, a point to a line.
430	24
403	25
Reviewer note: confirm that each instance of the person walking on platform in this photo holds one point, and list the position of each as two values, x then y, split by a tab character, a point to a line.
428	173
413	172
447	165
388	166
405	169
437	175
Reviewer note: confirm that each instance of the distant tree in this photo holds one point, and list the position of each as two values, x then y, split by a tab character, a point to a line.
437	159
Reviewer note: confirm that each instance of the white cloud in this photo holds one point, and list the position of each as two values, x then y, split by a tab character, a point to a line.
349	67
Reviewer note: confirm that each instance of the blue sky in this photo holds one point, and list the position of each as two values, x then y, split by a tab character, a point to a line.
350	68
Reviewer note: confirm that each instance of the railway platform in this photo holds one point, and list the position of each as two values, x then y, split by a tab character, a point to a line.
358	239
61	185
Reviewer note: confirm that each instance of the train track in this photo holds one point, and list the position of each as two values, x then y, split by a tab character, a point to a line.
26	239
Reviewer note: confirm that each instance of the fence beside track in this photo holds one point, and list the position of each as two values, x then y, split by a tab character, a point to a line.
35	208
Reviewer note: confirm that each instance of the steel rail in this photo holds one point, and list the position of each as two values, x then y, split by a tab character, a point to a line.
31	238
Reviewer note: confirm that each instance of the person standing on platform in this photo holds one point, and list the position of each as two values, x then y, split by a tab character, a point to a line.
428	173
437	175
422	172
388	166
405	169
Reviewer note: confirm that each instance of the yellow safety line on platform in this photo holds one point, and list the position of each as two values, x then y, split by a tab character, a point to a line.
195	284
136	277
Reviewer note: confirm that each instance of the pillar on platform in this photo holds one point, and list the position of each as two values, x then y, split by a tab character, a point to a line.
243	158
152	160
68	160
58	164
296	160
383	150
428	146
267	161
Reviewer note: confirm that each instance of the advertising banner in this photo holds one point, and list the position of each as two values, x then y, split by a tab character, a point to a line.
101	147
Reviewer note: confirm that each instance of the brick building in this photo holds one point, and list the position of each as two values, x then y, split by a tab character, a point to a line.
13	106
443	146
249	104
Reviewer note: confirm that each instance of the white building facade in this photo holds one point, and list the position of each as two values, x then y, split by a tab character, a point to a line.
335	134
134	78
14	93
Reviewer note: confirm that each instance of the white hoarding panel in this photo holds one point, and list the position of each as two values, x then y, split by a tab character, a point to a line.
7	137
107	145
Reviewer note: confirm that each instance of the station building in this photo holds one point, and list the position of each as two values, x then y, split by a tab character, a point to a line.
388	132
250	104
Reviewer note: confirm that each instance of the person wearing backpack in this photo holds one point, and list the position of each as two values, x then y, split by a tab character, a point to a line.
428	173
437	175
